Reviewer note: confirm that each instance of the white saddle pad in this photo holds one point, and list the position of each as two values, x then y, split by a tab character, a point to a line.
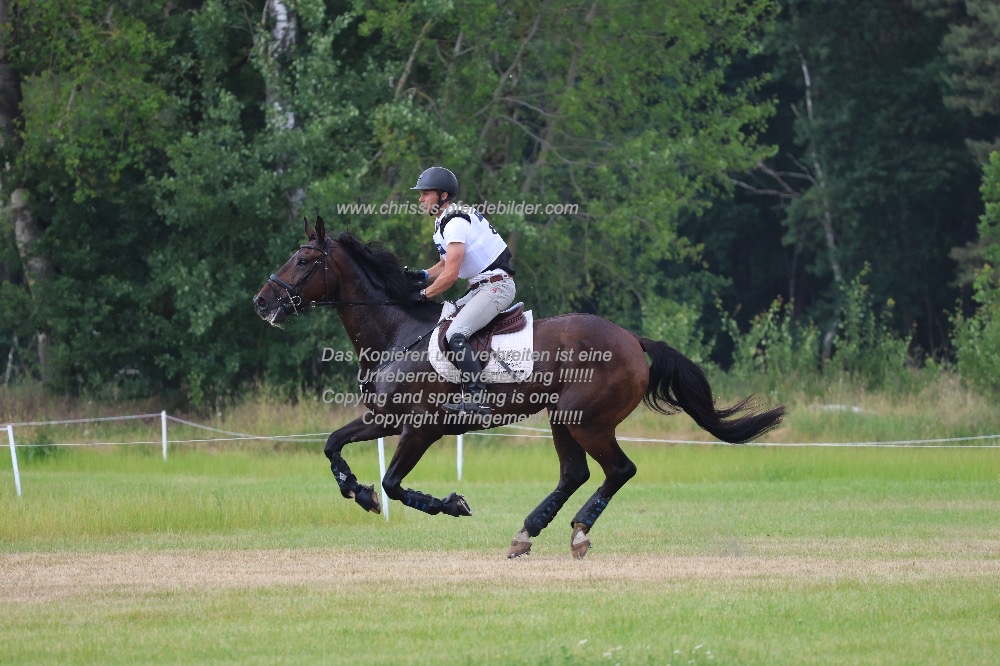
516	350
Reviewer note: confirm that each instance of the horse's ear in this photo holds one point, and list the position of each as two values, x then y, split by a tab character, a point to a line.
310	232
320	229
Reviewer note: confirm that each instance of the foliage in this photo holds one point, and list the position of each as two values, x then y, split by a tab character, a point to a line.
973	82
94	124
235	132
871	168
977	338
565	119
676	324
16	330
170	152
781	352
94	111
866	349
777	353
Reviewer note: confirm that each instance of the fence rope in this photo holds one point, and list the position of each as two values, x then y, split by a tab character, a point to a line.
238	435
75	421
233	436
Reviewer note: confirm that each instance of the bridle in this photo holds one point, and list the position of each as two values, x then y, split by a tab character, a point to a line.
294	303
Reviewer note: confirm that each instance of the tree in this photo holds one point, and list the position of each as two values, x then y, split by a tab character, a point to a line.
622	109
877	173
971	50
276	140
977	338
37	266
94	122
971	81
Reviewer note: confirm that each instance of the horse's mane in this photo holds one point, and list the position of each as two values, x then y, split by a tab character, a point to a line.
380	265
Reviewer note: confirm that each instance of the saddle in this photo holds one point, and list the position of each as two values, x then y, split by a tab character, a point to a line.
510	320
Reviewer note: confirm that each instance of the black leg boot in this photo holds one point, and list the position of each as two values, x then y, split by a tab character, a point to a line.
471	370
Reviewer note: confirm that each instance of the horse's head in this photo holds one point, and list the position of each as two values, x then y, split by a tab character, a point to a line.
302	281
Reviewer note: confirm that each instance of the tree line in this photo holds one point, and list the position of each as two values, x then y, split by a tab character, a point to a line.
726	163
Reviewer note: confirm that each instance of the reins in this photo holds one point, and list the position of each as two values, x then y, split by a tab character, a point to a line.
403	350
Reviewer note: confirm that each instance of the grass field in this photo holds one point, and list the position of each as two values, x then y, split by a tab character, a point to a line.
712	554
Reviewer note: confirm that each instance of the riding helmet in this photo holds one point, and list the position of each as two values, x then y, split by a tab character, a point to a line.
437	178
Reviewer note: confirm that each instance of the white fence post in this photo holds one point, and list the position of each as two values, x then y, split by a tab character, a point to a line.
381	475
13	458
163	431
459	460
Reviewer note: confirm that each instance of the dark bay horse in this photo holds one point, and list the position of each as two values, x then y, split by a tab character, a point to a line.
367	286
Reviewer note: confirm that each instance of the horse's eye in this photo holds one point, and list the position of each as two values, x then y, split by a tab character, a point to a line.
303	261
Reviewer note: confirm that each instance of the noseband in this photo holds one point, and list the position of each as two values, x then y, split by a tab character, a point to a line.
294	298
293	304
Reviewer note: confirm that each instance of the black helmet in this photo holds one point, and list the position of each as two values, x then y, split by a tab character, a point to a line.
437	178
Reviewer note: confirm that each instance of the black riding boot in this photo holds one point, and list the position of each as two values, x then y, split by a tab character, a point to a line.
471	369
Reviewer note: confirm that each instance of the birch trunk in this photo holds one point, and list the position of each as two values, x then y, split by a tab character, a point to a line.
27	232
826	218
284	36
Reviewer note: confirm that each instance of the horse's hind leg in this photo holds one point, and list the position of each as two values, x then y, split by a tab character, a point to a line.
618	469
573	473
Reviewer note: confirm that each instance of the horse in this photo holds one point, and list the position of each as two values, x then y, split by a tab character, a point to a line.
367	286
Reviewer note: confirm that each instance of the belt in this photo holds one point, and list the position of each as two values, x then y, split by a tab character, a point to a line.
492	278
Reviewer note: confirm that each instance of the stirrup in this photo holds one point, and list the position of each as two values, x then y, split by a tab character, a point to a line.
470	405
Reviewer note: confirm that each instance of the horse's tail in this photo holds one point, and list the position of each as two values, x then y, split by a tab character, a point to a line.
678	382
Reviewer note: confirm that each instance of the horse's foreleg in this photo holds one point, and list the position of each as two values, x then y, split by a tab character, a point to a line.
573	473
412	445
355	431
618	469
452	505
537	521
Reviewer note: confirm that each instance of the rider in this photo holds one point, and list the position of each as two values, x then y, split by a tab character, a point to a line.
469	248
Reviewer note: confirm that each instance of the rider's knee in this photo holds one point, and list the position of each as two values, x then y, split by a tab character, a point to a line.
451	335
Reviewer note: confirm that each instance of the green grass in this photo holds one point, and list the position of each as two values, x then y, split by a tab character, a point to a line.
124	491
813	556
245	552
756	623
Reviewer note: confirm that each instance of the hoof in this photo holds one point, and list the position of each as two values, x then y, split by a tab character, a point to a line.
455	505
521	545
367	499
579	543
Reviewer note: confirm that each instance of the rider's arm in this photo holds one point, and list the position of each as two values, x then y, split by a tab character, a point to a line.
435	270
445	273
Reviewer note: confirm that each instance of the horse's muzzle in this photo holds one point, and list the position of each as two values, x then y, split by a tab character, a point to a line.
274	314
